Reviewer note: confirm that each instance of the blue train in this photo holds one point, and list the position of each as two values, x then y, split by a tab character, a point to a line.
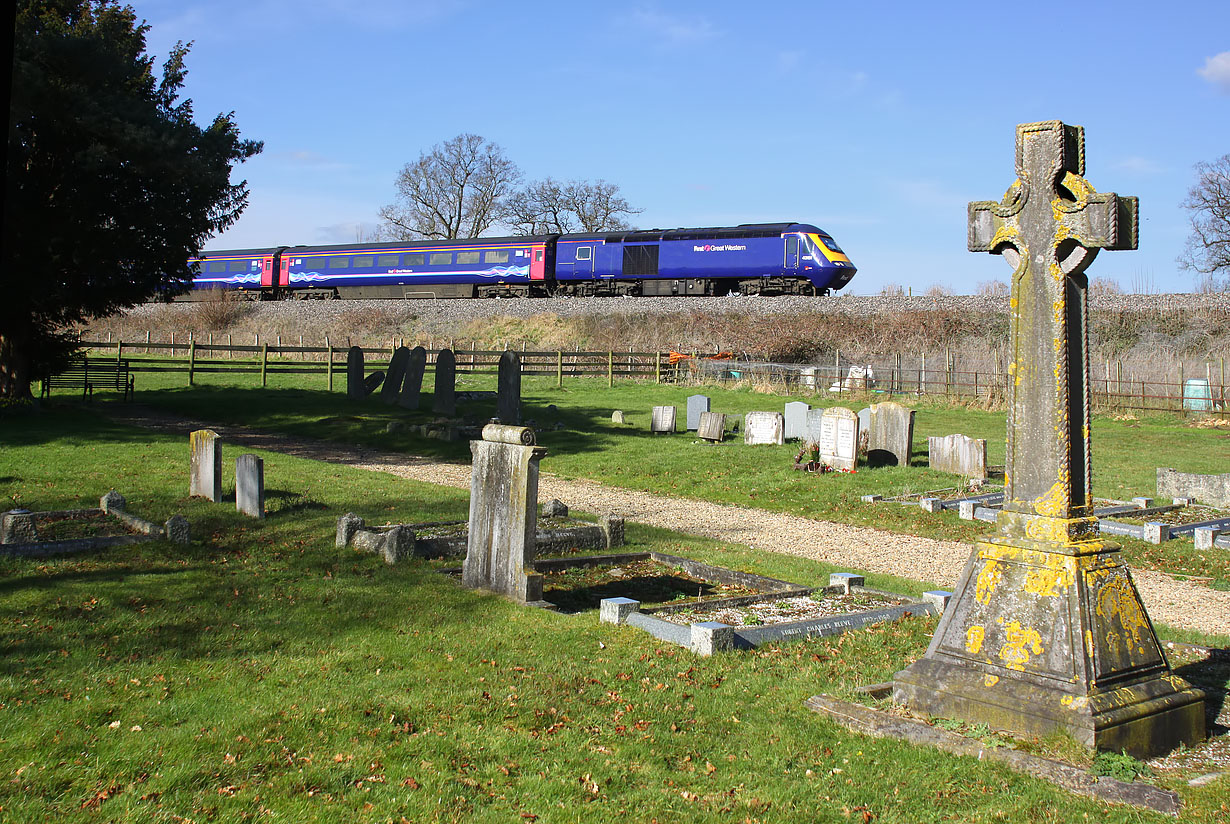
754	258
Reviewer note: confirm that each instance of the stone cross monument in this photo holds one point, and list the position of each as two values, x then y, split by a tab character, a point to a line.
1047	631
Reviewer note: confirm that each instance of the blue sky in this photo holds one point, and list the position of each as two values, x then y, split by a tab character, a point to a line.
876	121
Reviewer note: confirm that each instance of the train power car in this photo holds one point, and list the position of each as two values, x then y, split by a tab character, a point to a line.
758	259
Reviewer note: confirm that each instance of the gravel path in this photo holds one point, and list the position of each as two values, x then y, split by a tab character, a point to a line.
1174	602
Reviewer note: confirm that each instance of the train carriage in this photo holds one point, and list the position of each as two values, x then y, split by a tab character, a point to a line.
762	258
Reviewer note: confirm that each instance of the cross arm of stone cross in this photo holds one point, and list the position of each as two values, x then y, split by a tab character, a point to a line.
1051	205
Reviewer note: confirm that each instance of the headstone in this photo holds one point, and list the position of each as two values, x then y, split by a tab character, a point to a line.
250	485
112	500
763	428
712	426
697	405
617	417
206	465
890	434
372	382
412	383
397	544
445	400
1047	632
958	454
612	527
795	420
839	438
662	419
17	527
811	425
354	373
864	419
391	390
504	513
178	530
554	508
347	526
1213	490
508	388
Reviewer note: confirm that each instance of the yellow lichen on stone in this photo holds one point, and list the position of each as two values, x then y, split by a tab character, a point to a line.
1050	581
988	580
1117	601
1053	503
990	680
1019	643
973	638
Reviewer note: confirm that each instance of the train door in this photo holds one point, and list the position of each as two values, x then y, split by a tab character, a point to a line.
284	270
267	271
585	261
538	263
792	251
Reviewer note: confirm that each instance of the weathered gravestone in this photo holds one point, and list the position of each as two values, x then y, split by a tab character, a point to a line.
763	428
839	438
795	416
890	435
811	426
412	383
958	454
504	513
1047	632
697	405
508	388
354	374
712	427
445	400
205	450
393	379
372	382
250	485
662	419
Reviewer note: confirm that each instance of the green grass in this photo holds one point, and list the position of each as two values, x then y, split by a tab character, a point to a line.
1126	453
262	673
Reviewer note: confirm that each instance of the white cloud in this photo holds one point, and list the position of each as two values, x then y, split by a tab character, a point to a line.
672	29
1217	71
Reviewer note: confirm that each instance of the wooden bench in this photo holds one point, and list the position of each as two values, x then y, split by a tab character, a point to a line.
89	374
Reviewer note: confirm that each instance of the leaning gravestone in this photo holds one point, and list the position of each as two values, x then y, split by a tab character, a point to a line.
811	425
1047	632
250	485
508	388
445	400
504	513
412	383
763	428
890	435
391	389
354	373
796	420
662	419
958	454
839	438
697	405
205	450
372	382
712	427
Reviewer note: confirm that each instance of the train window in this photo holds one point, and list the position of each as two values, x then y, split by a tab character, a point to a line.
832	244
441	258
467	257
339	263
416	259
238	266
585	252
216	266
496	256
364	261
792	245
387	261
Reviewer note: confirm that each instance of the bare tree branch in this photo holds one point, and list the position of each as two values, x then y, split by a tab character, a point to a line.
1208	248
548	206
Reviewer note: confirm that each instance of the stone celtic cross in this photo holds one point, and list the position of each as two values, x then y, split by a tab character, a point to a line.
1049	227
1046	630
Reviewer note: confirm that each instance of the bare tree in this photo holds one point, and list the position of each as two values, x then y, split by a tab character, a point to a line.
1208	248
993	289
549	206
455	190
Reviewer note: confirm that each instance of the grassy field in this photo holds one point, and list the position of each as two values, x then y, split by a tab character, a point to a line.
260	673
1126	451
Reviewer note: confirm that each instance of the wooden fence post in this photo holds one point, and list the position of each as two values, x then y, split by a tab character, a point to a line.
1182	393
191	361
329	368
559	369
657	367
610	369
119	350
264	362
